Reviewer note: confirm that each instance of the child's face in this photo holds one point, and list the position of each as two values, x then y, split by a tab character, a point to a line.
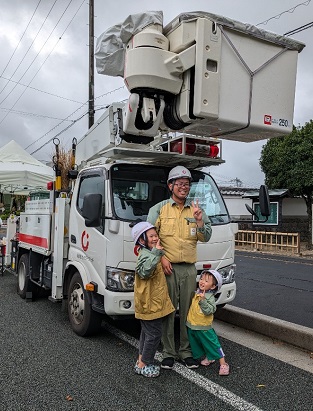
207	282
152	237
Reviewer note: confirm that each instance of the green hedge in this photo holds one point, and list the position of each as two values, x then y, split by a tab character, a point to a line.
5	216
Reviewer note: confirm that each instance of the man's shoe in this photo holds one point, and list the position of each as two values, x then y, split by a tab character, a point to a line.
168	363
189	362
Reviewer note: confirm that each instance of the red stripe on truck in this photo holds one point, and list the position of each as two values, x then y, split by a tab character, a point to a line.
33	240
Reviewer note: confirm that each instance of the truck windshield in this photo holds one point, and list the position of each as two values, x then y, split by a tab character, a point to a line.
204	189
136	188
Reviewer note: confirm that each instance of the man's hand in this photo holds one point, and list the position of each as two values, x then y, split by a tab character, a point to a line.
197	213
167	266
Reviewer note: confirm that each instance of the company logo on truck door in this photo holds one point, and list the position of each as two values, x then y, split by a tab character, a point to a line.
282	122
136	250
84	241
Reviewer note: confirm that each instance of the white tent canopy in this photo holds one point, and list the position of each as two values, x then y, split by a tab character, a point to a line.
20	172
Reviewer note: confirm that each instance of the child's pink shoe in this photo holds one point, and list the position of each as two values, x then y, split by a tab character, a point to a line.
206	362
224	369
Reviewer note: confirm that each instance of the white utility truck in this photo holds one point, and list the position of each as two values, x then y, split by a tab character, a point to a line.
199	79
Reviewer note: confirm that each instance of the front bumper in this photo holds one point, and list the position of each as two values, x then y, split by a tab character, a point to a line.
226	294
122	303
119	303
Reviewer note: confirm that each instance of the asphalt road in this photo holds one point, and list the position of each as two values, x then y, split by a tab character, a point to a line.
45	366
274	285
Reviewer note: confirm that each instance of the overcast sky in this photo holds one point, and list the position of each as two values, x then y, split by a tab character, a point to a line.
44	69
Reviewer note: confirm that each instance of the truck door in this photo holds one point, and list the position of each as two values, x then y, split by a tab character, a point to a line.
89	243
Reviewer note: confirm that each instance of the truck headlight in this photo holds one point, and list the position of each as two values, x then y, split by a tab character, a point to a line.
120	280
227	273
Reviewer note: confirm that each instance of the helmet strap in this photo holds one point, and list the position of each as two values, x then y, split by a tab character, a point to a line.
172	182
142	240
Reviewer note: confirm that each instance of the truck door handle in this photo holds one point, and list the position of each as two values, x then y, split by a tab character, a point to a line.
73	239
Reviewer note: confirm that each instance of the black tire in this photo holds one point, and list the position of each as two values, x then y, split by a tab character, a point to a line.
83	319
24	285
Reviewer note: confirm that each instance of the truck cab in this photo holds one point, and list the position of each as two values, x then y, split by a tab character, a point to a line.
106	254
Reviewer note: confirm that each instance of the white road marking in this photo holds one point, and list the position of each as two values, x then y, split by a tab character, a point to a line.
273	348
217	390
281	260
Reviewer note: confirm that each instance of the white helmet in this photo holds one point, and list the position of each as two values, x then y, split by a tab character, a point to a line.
217	276
139	229
178	172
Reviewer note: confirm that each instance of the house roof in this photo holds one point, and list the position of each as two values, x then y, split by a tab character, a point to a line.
272	193
252	192
235	191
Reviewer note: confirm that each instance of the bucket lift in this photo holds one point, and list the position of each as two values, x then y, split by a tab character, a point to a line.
202	74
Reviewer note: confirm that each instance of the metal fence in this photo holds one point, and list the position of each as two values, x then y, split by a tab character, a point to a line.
268	241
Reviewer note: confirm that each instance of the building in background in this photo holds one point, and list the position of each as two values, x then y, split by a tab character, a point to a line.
288	214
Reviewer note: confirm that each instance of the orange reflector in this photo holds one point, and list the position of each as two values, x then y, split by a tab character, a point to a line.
90	287
207	265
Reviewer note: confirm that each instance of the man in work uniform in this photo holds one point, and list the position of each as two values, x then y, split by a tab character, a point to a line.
180	224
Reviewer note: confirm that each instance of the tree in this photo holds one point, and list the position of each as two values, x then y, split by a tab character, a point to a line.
64	165
287	162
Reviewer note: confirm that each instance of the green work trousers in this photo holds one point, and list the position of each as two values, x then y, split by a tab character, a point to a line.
181	287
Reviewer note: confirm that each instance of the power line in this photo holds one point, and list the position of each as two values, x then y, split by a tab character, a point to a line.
37	53
25	113
40	138
57	135
75	121
299	29
231	181
21	39
26	54
61	132
305	3
42	91
48	54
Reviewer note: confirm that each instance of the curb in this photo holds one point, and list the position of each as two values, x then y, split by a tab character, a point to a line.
285	331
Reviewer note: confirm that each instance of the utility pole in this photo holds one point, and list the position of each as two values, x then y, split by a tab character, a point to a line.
91	108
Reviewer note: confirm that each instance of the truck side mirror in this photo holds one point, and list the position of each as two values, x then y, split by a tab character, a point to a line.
264	201
92	208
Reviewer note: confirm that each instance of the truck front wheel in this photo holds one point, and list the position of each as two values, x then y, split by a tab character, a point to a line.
83	319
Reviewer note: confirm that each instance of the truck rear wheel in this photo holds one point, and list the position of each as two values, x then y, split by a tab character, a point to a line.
83	319
24	285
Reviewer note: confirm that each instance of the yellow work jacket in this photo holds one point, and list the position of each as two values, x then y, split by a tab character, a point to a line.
150	292
200	315
178	230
